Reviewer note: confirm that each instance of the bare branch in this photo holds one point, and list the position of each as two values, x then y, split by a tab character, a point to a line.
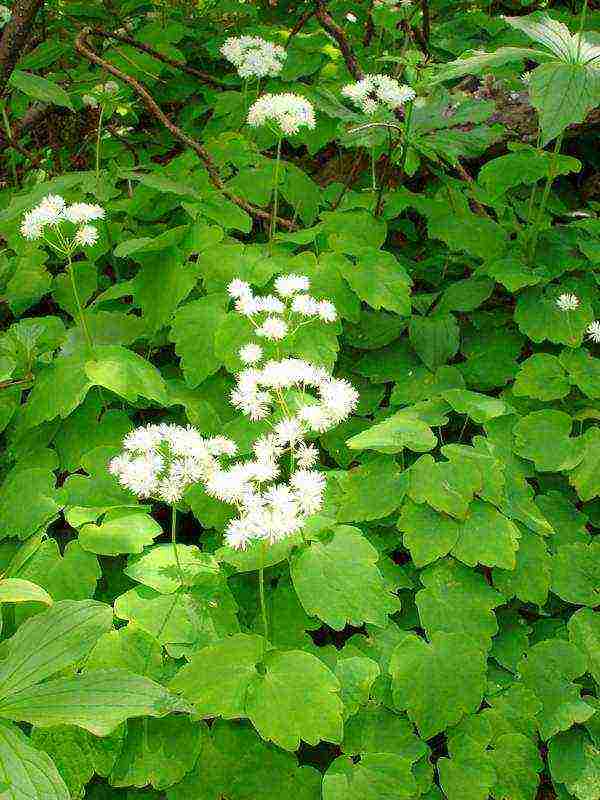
331	26
14	37
82	46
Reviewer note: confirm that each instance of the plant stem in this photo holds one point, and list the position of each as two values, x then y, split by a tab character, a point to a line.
273	227
82	322
174	543
261	591
11	157
407	124
581	24
98	143
549	181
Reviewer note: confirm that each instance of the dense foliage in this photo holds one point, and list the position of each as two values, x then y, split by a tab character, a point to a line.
360	253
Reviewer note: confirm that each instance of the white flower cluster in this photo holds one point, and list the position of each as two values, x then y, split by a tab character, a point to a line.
593	331
277	510
253	56
100	93
161	461
287	112
567	302
374	91
52	211
293	305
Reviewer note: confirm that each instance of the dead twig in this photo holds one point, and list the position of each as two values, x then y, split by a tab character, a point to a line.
333	29
299	25
82	46
202	76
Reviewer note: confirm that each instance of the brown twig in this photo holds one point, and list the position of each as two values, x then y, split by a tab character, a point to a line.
14	37
369	26
299	25
477	207
351	178
334	30
205	77
82	46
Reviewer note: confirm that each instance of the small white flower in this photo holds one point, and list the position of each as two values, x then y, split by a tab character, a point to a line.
288	431
86	236
351	17
239	288
327	311
289	112
251	353
309	485
247	305
307	456
378	90
89	100
253	56
567	302
83	212
288	285
593	331
272	328
305	305
270	304
315	417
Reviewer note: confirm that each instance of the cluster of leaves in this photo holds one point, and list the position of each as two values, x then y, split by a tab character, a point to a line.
432	630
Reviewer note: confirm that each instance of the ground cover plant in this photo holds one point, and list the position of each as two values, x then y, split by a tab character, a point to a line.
299	400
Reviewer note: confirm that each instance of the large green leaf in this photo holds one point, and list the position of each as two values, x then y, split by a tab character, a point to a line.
39	88
98	701
563	94
28	773
338	581
51	641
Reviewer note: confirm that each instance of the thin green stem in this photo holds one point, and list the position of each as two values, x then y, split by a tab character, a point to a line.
99	143
10	156
581	25
373	175
82	321
273	226
261	590
407	125
546	193
174	543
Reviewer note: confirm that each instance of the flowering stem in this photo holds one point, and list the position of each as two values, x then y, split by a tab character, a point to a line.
7	128
82	321
174	543
98	143
549	181
261	591
275	195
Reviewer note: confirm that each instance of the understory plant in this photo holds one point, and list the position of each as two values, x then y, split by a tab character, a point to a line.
299	401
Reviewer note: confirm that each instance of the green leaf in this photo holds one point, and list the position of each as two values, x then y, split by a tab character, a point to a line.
29	501
375	777
356	675
380	280
437	683
371	491
126	374
182	621
447	486
523	167
562	94
478	407
487	537
584	371
17	590
28	773
517	762
544	438
125	533
426	533
469	772
158	568
295	699
404	429
539	318
375	729
459	601
39	88
193	332
52	641
586	476
163	281
479	61
44	403
97	701
548	670
529	580
542	376
435	339
158	752
338	589
584	632
576	573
